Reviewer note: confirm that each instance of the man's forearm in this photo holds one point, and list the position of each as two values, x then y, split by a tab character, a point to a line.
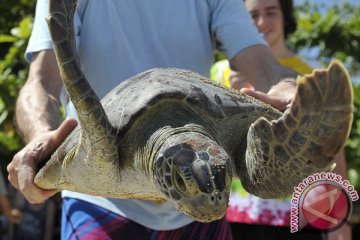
260	68
36	112
37	107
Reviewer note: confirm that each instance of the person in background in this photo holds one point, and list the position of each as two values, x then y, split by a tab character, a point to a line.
253	217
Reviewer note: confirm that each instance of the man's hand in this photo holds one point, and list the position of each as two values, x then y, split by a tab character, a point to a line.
259	67
279	96
23	167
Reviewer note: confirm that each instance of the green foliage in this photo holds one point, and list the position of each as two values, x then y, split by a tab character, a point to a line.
13	72
353	145
335	32
12	12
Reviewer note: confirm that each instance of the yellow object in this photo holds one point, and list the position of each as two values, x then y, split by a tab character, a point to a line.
220	71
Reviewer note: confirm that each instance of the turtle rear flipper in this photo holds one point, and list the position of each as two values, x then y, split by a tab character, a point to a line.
305	139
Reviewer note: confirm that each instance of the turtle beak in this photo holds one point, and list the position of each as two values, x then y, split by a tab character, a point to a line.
203	187
210	202
209	207
194	173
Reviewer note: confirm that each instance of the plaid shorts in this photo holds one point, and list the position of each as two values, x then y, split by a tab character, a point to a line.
83	220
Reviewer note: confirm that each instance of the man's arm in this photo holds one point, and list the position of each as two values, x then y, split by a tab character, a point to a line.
37	115
37	107
259	67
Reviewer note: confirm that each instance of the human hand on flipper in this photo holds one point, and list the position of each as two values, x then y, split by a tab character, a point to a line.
23	167
280	96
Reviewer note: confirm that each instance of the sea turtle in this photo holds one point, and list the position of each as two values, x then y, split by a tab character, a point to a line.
171	134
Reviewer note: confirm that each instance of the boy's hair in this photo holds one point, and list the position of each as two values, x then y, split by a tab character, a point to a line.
287	9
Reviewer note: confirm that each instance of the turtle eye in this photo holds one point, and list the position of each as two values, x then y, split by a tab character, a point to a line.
180	182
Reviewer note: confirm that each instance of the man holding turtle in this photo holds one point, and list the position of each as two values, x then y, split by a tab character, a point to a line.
116	40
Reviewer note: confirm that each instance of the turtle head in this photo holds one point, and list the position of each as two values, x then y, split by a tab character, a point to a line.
194	173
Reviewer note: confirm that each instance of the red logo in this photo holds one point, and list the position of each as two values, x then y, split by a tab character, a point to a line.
325	206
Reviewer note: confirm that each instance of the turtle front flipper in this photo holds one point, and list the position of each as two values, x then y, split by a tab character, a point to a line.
305	140
96	149
92	117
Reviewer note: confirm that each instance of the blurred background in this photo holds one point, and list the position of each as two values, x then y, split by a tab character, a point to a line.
327	29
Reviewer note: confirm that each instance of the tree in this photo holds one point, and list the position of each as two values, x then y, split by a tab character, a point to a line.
16	24
334	33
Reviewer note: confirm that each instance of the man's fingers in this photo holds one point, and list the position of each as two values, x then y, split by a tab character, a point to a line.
24	165
277	103
65	128
58	136
21	177
25	178
258	95
38	195
12	177
32	193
